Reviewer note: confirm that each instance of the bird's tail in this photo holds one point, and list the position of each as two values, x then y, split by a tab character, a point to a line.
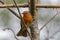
22	33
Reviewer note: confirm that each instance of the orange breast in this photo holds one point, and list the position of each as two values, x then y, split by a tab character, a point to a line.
27	19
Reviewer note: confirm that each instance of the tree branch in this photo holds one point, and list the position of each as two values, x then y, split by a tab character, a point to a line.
11	10
17	8
26	5
49	20
34	25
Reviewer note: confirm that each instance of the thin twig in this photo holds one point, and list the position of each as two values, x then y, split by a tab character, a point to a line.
17	8
49	20
21	17
14	13
12	31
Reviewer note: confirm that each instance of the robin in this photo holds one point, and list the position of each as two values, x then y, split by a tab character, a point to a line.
28	20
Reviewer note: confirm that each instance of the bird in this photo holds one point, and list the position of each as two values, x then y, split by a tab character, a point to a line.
27	20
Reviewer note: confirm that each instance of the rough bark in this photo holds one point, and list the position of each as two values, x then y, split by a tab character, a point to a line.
34	26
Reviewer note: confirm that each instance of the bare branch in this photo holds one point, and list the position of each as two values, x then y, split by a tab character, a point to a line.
17	8
26	5
11	10
49	20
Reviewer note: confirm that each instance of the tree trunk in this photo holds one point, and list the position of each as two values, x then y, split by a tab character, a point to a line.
34	26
